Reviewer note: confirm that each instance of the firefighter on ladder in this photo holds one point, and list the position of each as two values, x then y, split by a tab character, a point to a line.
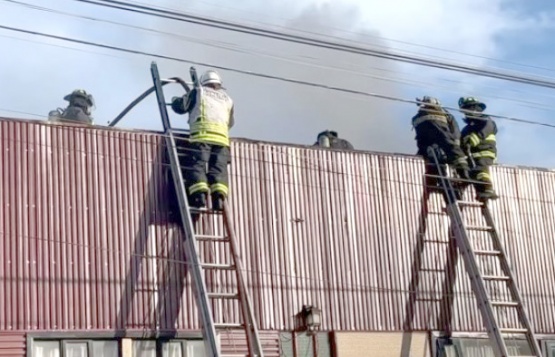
478	141
438	132
210	111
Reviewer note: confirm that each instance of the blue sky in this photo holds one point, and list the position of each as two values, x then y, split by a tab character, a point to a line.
37	72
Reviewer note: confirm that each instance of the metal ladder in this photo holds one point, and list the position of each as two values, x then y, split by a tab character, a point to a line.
496	291
200	269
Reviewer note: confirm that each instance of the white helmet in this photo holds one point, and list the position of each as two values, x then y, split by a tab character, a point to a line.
428	101
210	77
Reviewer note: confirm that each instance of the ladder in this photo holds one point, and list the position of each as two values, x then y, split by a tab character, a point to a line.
491	278
199	269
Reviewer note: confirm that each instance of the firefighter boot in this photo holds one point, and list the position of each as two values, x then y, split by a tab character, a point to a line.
197	200
217	201
487	194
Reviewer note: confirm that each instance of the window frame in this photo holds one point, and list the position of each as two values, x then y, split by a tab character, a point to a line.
65	342
548	346
64	339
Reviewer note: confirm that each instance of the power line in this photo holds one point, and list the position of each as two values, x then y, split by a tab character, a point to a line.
250	73
399	80
351	33
267	33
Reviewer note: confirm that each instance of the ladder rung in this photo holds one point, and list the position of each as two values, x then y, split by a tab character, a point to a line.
223	295
430	270
470	203
480	228
218	266
204	211
206	237
435	241
228	326
496	277
513	330
487	252
505	303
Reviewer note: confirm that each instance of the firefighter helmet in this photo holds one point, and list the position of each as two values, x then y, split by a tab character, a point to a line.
80	93
428	101
210	77
471	103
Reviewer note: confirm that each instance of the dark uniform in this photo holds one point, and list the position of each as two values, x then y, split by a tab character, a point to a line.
78	110
331	140
478	139
437	129
210	117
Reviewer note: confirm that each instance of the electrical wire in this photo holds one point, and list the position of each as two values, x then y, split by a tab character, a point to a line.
351	35
331	284
256	74
267	33
240	49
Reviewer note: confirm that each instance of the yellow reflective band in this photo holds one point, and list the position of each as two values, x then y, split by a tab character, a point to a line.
216	133
474	139
208	138
487	154
490	137
461	160
220	188
483	176
198	187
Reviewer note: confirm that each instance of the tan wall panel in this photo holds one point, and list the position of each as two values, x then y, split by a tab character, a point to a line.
381	344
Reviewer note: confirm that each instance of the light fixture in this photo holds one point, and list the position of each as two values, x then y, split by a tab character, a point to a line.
312	317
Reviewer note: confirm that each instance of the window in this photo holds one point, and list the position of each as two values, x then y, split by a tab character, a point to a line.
477	347
300	344
172	348
75	348
549	348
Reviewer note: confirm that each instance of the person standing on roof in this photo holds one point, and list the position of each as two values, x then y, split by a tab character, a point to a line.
330	139
478	141
437	129
210	111
79	109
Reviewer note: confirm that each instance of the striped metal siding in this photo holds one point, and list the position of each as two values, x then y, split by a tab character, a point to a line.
338	230
12	344
90	239
87	238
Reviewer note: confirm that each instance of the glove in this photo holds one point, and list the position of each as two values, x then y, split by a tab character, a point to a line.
177	105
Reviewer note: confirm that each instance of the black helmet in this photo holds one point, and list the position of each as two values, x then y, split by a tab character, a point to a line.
80	93
471	103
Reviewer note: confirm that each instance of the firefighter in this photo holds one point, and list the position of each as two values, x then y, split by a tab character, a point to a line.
478	141
437	129
79	109
210	111
330	139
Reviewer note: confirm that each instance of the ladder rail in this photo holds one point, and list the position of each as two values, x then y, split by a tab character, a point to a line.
513	288
251	328
209	330
478	284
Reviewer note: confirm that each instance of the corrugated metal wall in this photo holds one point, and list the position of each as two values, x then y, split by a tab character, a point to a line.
12	343
89	241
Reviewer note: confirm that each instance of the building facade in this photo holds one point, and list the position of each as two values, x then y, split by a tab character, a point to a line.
92	260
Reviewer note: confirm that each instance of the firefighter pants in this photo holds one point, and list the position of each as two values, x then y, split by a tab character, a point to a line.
481	174
206	169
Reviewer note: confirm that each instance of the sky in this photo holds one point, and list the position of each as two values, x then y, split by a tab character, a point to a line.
504	35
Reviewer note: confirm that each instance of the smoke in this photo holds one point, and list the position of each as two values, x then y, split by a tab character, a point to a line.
274	110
